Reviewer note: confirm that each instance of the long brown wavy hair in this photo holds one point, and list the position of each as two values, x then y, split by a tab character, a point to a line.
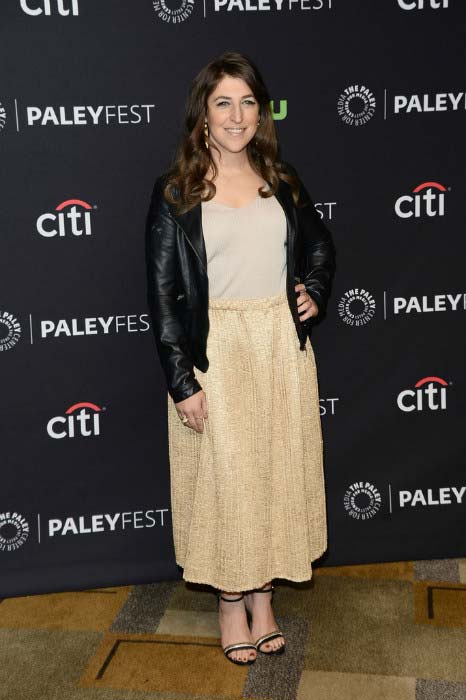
185	183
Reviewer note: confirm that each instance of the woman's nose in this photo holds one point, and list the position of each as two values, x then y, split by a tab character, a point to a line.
236	113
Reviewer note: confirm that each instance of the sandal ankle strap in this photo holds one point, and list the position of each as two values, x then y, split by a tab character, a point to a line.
231	600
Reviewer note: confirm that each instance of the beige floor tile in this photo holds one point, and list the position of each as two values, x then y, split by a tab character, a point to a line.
462	570
91	610
368	627
186	622
397	570
321	685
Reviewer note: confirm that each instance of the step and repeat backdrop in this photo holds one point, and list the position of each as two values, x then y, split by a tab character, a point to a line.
369	101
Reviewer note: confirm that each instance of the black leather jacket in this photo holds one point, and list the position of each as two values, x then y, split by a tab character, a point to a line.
177	282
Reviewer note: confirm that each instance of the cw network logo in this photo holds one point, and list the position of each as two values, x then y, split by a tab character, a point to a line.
64	8
72	216
80	419
427	199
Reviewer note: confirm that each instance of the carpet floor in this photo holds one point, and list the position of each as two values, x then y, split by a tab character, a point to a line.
394	631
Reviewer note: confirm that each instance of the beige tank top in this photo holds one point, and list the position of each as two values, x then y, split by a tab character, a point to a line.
245	246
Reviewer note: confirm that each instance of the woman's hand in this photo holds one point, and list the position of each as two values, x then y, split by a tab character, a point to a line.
195	409
305	303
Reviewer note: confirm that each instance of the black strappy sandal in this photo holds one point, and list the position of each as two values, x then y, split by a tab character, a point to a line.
271	635
239	645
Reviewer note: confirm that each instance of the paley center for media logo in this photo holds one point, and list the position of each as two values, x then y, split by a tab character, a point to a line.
180	11
15	529
72	216
362	500
2	116
10	331
357	306
356	105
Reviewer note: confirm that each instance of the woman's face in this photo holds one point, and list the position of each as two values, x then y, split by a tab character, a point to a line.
232	114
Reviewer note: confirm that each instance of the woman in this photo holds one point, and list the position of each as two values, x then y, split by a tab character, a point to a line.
239	268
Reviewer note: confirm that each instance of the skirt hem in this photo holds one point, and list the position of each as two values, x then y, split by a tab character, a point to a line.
249	585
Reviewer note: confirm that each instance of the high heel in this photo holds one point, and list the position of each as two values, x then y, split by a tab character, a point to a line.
239	645
270	635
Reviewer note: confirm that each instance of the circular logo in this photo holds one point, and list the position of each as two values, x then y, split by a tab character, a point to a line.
10	331
356	105
2	116
173	12
14	531
362	500
356	307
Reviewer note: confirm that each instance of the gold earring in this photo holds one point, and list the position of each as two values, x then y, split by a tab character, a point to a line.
206	134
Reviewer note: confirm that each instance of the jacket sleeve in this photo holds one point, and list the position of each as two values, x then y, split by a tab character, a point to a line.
161	267
319	249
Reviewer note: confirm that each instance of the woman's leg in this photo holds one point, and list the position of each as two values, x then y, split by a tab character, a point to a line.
263	619
234	625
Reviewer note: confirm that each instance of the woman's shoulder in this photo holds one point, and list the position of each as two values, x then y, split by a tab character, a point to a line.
159	188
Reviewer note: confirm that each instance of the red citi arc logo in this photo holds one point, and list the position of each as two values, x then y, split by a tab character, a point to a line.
81	419
427	199
429	393
72	216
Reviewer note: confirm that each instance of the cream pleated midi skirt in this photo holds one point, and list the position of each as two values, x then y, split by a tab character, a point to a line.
248	498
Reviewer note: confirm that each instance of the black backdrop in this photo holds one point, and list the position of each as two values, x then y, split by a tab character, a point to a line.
370	106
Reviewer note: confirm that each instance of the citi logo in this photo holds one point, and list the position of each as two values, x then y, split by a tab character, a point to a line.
423	4
72	216
81	419
46	7
429	394
427	199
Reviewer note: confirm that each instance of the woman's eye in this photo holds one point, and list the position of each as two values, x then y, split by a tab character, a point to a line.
224	102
